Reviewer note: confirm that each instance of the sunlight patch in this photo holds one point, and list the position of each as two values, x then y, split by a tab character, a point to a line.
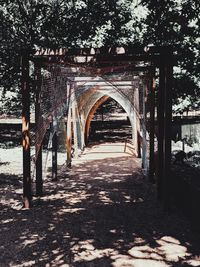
171	249
24	264
70	210
32	240
7	221
194	262
85	251
122	262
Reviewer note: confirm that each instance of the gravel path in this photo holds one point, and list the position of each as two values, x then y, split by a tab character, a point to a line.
101	213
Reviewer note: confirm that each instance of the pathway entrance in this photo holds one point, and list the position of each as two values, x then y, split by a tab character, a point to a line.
71	84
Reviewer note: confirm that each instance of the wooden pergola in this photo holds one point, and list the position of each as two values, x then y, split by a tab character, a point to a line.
151	60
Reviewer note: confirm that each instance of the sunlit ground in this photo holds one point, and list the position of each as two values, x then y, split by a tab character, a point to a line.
101	213
106	150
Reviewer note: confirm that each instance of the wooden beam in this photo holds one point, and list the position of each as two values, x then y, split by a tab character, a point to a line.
97	59
102	61
27	193
105	50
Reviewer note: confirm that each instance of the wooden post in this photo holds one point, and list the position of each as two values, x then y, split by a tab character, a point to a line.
82	132
139	145
78	128
167	126
152	129
54	156
27	194
164	125
135	130
39	181
183	145
144	142
69	138
160	121
74	118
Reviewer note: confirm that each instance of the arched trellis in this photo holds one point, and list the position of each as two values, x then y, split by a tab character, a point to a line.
85	99
101	61
97	95
91	113
99	98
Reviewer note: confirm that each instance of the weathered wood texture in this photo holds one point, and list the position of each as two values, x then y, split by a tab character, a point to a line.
25	89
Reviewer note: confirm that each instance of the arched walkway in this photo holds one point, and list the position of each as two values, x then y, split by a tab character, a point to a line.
67	75
89	99
103	213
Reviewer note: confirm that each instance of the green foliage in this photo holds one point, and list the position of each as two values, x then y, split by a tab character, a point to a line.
177	23
10	103
34	24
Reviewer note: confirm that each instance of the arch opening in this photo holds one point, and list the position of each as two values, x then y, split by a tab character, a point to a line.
109	123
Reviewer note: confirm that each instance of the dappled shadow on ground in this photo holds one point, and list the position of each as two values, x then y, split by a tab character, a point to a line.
103	213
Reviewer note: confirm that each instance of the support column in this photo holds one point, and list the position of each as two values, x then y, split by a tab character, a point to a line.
152	167
39	181
164	125
82	132
136	124
69	139
54	156
160	121
74	118
139	144
78	128
167	127
27	194
135	135
144	142
87	128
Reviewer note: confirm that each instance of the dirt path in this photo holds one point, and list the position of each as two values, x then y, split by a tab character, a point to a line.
101	213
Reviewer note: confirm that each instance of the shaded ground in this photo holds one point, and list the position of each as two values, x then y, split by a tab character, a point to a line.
184	187
110	131
100	213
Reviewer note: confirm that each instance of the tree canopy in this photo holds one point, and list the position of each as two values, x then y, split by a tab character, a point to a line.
34	24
